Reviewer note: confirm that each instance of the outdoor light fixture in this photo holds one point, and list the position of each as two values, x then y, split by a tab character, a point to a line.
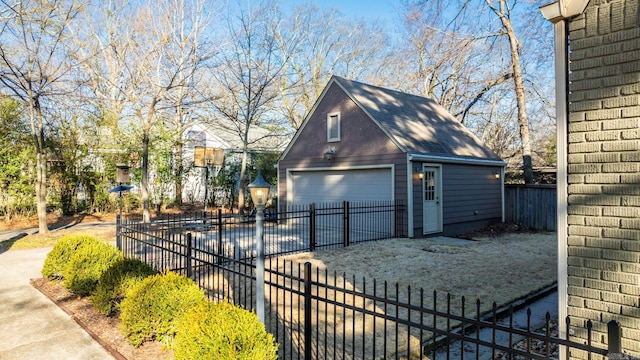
122	173
496	173
329	153
419	173
259	189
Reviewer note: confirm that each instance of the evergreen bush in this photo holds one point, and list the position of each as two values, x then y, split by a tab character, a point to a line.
224	332
114	283
151	308
58	258
87	264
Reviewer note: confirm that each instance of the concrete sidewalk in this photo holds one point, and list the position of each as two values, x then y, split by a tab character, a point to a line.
31	326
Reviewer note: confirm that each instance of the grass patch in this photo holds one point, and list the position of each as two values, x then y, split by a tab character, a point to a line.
36	241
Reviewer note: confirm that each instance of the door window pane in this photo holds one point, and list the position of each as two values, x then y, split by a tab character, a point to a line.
429	185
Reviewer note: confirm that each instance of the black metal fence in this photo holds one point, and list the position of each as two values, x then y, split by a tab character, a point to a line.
298	229
318	314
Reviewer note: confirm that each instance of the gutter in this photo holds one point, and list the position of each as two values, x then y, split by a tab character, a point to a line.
455	160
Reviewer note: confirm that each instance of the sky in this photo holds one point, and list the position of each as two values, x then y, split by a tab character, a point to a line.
383	9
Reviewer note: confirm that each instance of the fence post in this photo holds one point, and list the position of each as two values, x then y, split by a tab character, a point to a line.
220	236
615	339
118	230
307	311
396	218
345	224
189	255
312	227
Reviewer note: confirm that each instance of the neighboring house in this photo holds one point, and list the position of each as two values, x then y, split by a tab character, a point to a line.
194	178
598	122
365	143
226	137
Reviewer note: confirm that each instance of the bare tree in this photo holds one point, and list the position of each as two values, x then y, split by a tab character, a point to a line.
191	49
328	44
250	70
461	61
155	68
503	12
33	60
103	43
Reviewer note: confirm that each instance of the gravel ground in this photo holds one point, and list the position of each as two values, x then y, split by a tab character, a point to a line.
492	269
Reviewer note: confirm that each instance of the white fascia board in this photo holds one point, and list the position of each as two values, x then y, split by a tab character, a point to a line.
453	160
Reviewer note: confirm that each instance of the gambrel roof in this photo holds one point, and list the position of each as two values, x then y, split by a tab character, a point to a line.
418	125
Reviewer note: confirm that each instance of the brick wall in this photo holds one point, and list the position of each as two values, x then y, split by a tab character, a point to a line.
604	169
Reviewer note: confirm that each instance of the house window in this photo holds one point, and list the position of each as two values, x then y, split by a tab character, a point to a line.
333	127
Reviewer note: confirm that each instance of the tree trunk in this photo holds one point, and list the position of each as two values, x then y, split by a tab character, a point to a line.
241	187
178	170
523	121
41	165
144	188
518	82
41	191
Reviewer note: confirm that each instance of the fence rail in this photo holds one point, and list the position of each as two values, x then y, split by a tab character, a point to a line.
531	206
298	229
318	314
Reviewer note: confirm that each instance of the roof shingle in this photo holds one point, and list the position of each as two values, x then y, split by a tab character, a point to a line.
417	124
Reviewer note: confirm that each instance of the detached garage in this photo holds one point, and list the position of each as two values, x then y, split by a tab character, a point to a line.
365	143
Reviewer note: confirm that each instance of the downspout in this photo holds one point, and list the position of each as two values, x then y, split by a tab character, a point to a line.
562	107
502	192
558	14
409	196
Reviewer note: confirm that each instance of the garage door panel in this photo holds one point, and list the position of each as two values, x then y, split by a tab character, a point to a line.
336	186
341	185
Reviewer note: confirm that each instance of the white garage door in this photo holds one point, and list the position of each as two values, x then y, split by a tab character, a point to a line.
341	185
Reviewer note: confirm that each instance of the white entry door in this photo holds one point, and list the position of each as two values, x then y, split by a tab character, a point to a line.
432	215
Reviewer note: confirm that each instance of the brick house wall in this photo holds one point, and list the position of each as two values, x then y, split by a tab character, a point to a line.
603	175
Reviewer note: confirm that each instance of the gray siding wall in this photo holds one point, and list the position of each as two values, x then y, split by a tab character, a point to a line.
471	198
604	170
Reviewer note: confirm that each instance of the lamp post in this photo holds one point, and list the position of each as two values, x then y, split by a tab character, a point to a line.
122	176
259	189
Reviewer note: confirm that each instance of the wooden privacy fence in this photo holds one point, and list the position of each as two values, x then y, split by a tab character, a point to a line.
531	206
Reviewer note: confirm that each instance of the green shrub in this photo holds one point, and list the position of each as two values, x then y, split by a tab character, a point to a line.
222	331
55	264
151	308
114	283
86	266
